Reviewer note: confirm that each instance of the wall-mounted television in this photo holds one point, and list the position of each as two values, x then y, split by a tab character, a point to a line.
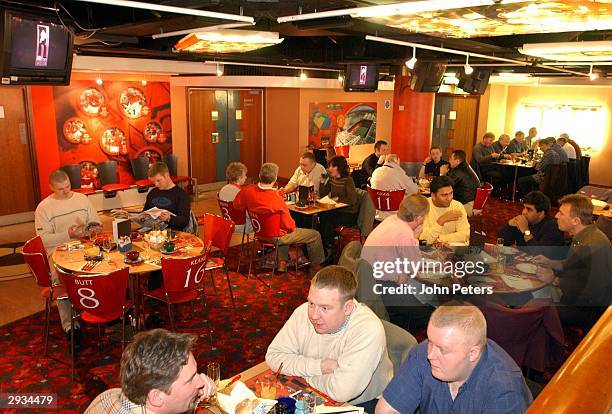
426	76
361	78
36	50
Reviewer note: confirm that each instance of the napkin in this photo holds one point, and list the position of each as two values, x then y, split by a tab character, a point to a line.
241	392
327	200
516	282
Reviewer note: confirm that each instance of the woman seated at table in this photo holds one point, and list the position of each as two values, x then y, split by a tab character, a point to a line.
341	188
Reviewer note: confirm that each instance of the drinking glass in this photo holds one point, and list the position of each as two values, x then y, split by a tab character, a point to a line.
213	371
107	246
268	387
308	403
501	257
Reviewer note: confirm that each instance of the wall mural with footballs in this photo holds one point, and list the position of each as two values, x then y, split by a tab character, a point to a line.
114	121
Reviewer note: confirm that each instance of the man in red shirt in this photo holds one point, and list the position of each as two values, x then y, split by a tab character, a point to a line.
262	198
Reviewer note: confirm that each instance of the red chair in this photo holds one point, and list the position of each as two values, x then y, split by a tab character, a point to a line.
386	200
182	279
109	178
171	161
267	231
239	218
343	150
97	299
218	234
482	195
35	256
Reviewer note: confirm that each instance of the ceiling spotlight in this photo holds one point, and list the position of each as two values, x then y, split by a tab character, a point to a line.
303	76
467	68
592	75
219	70
99	81
410	63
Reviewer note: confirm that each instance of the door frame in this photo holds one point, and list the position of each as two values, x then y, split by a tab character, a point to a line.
263	101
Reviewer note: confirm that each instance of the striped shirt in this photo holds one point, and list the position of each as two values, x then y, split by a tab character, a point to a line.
113	401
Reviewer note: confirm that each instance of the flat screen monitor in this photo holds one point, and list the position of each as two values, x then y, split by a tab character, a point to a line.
361	78
35	50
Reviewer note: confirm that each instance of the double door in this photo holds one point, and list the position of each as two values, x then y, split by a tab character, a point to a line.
224	126
454	123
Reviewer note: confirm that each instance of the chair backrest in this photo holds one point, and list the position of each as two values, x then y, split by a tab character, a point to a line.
386	200
554	184
171	161
365	289
102	295
183	276
482	195
350	255
140	168
107	171
74	174
192	224
476	167
218	231
229	212
35	256
343	150
367	212
266	226
399	344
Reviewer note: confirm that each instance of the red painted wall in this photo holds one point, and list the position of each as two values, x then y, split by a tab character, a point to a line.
412	127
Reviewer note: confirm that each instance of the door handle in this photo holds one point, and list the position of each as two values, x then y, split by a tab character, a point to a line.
215	138
239	136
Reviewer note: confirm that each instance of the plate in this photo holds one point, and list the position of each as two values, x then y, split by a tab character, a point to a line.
508	250
480	280
301	207
133	262
527	268
93	258
168	252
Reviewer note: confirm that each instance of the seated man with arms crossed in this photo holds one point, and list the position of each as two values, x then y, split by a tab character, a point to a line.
391	176
59	218
335	343
457	370
262	198
447	220
158	375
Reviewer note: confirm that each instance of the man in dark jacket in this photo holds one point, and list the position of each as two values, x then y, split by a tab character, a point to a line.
534	227
465	180
518	144
373	161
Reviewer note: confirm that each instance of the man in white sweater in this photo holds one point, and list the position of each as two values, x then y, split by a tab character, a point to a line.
335	343
391	176
59	218
447	220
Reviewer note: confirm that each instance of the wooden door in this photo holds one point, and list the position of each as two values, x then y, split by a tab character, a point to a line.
464	134
203	117
224	126
18	188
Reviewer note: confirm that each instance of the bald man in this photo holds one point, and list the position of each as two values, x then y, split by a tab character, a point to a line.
457	369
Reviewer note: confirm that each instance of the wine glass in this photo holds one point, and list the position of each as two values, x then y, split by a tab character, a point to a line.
213	371
107	246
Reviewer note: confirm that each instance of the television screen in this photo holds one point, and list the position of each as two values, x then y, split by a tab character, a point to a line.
38	44
361	78
36	50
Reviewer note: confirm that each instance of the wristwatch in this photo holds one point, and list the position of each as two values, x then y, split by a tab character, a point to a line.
527	233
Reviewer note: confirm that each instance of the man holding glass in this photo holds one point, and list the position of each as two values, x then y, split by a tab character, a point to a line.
335	343
158	375
63	216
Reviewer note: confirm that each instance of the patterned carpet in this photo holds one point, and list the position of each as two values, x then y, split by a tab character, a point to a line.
240	337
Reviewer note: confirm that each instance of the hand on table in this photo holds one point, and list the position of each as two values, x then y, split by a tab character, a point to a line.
495	154
328	366
507	156
75	231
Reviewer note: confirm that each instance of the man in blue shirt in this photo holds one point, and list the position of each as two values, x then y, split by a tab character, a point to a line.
457	370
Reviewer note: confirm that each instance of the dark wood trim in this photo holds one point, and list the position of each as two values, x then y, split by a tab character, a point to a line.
29	110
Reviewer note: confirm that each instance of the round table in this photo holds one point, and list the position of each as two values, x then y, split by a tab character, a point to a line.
187	245
510	281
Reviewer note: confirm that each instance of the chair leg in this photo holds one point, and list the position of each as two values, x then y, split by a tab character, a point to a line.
171	316
47	316
72	344
241	247
252	256
212	280
229	285
123	332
